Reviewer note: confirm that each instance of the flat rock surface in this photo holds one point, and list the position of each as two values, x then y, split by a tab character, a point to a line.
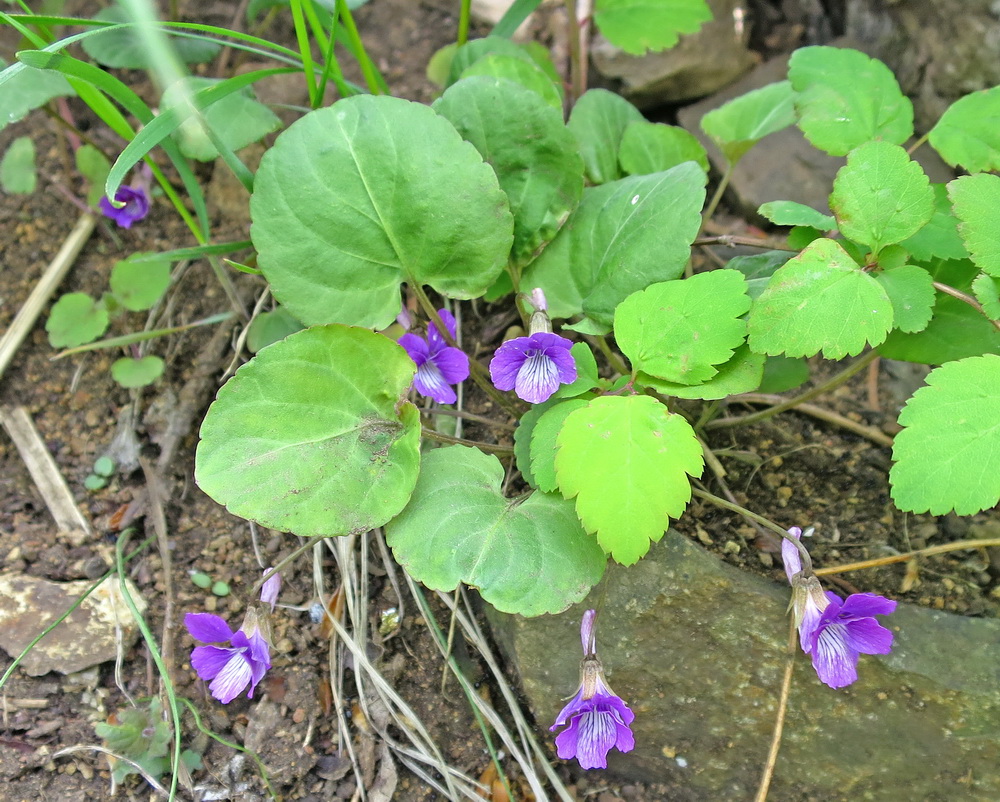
697	648
90	635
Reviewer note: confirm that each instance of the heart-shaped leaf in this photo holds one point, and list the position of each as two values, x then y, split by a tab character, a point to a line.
130	372
911	291
741	123
528	558
622	237
529	147
75	319
626	461
651	147
741	374
125	48
359	196
640	25
598	120
139	285
308	438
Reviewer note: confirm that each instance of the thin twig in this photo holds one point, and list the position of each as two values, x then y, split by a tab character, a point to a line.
54	273
966	299
43	470
930	551
489	448
458	413
831	384
779	724
732	240
870	432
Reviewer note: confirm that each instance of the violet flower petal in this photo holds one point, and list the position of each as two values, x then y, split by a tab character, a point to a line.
208	661
865	605
136	206
233	678
453	364
790	554
208	628
434	336
836	663
868	636
417	348
429	381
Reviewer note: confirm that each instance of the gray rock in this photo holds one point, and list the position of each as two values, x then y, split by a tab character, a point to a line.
940	50
698	65
697	648
86	638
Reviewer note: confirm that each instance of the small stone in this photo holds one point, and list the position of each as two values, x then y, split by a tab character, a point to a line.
211	603
284	646
731	547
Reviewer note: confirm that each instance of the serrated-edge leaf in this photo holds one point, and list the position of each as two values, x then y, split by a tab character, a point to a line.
741	374
790	213
976	202
911	292
543	442
645	454
967	134
844	98
987	291
742	122
636	26
947	457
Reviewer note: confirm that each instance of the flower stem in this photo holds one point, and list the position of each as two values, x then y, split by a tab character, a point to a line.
729	505
616	362
855	367
489	448
719	190
463	23
779	723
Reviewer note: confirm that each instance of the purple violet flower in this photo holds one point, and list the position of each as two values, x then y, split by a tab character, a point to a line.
598	718
229	668
439	365
136	206
834	632
533	366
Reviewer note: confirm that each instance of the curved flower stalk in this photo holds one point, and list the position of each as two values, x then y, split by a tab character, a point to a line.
229	669
598	718
534	366
439	365
834	632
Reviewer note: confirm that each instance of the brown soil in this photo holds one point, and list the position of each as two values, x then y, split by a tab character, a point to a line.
792	468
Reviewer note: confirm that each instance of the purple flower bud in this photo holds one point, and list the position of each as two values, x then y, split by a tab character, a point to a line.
597	718
439	365
834	632
270	589
136	206
533	367
231	668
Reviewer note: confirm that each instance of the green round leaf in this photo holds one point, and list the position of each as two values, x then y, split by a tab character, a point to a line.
640	25
948	453
522	439
529	558
844	98
358	196
519	71
201	580
586	373
93	166
967	134
237	119
139	285
93	482
783	373
622	237
269	327
598	121
651	147
104	466
529	147
76	319
679	330
626	461
741	123
220	588
29	89
819	301
976	201
124	48
476	49
881	196
911	291
130	372
308	437
17	168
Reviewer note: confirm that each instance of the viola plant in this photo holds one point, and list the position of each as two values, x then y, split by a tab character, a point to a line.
582	226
